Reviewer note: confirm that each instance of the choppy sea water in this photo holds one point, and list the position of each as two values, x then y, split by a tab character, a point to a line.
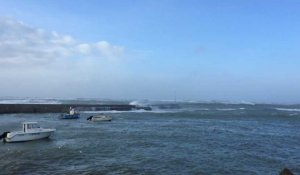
171	139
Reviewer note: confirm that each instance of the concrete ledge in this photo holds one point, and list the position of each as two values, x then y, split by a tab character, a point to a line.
61	108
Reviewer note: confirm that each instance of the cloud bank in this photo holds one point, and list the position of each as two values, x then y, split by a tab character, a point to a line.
39	63
21	44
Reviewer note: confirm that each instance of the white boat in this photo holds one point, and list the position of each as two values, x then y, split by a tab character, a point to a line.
98	118
31	131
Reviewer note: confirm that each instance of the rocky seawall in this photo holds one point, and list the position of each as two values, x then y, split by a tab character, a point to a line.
61	108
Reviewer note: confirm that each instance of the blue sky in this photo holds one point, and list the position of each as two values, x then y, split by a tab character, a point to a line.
204	50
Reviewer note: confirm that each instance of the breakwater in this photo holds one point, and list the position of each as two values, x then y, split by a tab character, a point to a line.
61	108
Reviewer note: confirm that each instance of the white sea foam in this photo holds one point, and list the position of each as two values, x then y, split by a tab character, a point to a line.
29	101
226	109
203	109
132	111
135	103
288	109
140	103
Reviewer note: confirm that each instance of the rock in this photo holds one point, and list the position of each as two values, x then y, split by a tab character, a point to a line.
286	171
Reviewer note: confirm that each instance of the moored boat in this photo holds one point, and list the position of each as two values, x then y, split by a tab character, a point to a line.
31	131
72	114
98	118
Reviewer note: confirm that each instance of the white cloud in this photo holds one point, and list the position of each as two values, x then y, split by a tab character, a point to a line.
84	48
39	63
62	39
21	44
109	50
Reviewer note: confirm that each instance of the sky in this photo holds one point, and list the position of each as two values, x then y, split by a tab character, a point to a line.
200	50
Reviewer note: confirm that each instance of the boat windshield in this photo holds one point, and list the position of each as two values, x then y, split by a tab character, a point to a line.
33	126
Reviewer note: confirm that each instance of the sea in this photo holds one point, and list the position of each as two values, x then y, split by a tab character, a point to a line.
182	137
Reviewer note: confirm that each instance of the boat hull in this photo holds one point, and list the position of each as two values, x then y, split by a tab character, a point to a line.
22	136
101	118
69	116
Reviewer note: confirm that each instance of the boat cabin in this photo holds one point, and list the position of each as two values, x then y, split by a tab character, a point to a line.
72	111
30	125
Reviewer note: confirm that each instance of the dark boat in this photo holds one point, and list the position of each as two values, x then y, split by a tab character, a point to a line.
72	115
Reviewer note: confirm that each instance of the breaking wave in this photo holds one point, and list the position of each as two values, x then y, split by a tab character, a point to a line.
132	111
29	101
288	109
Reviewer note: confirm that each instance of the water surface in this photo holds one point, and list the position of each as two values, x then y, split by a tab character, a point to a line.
172	139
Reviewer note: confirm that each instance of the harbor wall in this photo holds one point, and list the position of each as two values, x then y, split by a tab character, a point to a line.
62	108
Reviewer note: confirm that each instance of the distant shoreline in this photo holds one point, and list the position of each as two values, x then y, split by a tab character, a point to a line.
62	108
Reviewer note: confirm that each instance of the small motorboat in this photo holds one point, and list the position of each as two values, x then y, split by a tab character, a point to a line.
72	114
31	131
99	118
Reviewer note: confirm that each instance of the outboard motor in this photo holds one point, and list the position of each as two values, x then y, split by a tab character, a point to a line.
89	118
3	135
